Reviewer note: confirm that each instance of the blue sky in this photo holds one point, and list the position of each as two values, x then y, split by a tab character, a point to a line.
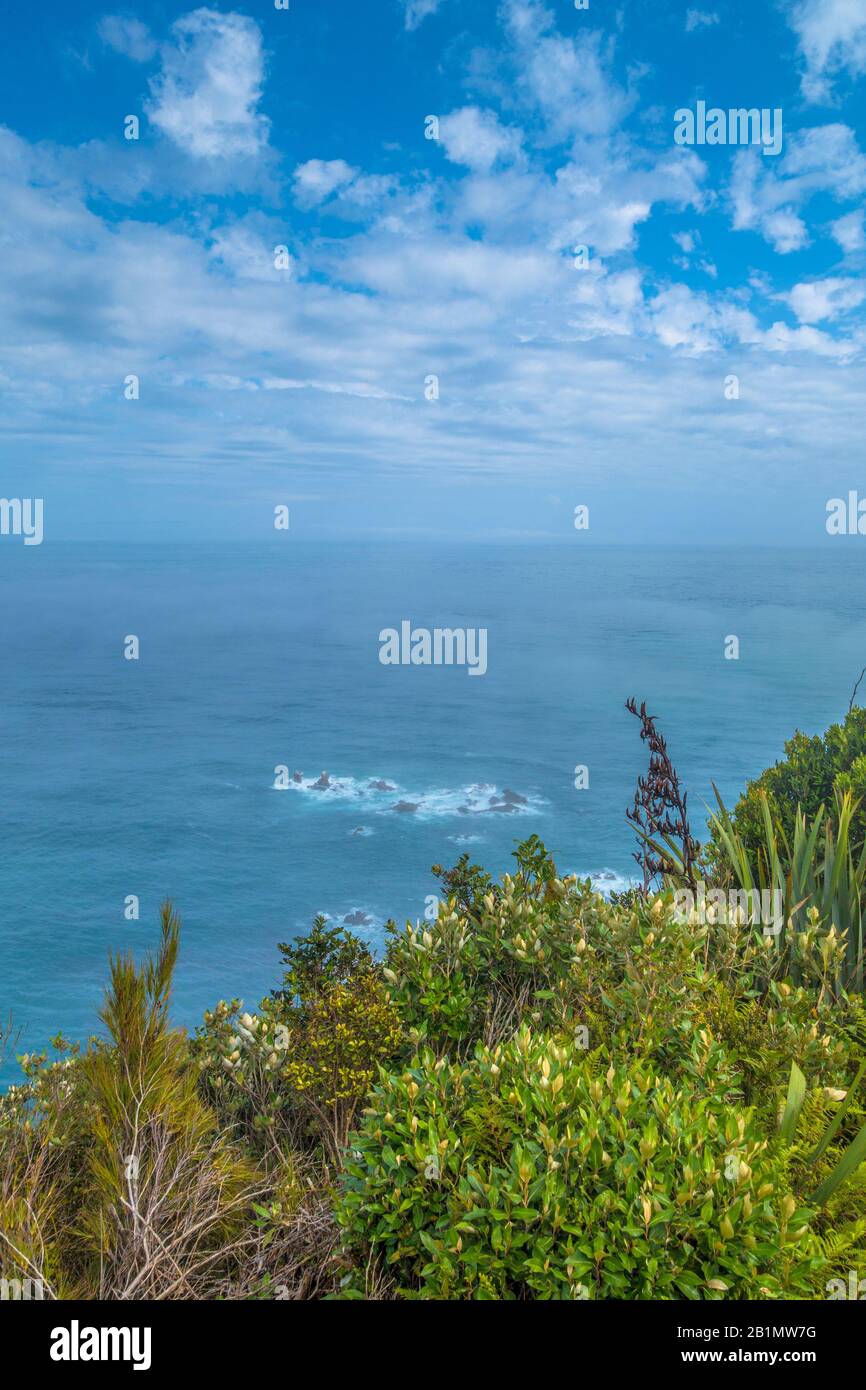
409	258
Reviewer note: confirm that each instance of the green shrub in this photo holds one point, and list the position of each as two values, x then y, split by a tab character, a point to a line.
530	1172
476	974
815	768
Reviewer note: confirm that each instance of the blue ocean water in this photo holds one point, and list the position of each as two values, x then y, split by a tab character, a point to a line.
156	777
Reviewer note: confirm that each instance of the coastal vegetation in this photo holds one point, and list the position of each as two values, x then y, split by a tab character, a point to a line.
541	1094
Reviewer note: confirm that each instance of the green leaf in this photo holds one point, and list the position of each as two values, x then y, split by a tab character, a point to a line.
794	1104
851	1159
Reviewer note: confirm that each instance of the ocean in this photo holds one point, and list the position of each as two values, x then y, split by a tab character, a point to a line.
155	778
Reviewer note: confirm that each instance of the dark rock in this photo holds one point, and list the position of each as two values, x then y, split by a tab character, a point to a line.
407	808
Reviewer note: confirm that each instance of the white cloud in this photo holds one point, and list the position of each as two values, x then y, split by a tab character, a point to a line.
317	179
682	318
372	199
697	324
785	231
832	40
418	10
247	250
815	300
601	202
470	274
698	19
604	305
782	338
127	36
453	265
206	95
567	79
849	232
475	138
767	197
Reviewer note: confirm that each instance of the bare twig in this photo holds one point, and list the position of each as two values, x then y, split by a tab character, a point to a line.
854	691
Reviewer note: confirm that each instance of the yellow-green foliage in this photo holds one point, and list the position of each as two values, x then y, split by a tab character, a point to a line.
316	1052
335	1051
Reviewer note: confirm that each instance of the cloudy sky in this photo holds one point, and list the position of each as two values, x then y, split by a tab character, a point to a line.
298	375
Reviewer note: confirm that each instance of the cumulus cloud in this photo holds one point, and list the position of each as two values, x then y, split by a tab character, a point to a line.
768	198
832	40
205	97
128	36
816	300
476	138
347	193
567	79
682	318
782	338
848	231
317	179
698	324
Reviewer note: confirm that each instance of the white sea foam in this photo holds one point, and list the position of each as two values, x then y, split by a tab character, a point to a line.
382	795
606	881
362	921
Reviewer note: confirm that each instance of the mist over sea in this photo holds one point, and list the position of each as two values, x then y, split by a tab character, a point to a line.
155	777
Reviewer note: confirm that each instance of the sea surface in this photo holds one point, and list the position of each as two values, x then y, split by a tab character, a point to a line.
156	777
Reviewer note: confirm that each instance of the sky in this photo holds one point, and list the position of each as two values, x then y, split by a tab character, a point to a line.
285	261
